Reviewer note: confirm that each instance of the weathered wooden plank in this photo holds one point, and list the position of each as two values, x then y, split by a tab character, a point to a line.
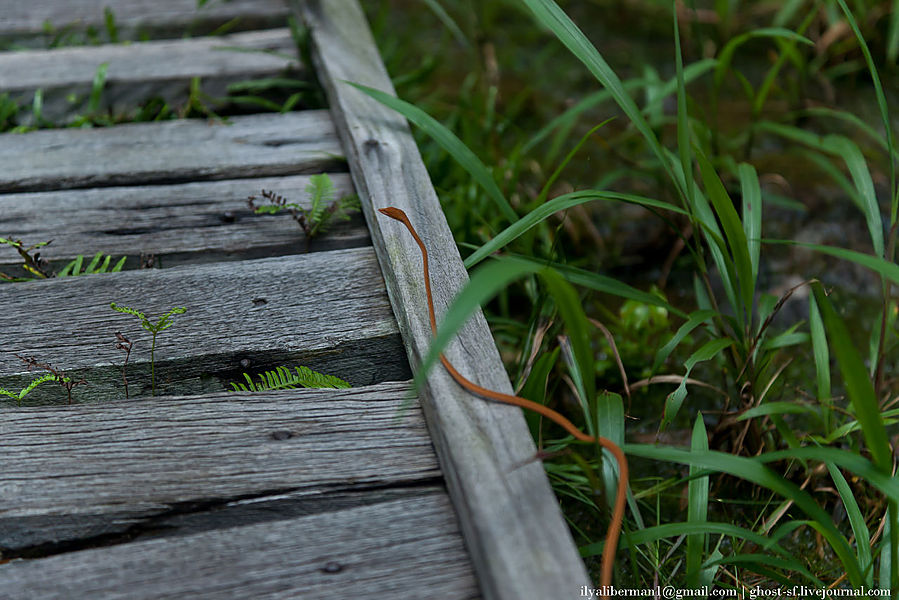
408	548
327	310
115	467
170	151
136	18
143	70
512	524
178	224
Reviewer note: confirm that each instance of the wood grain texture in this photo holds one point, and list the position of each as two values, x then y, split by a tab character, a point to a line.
512	524
104	468
178	224
134	18
327	310
169	152
143	70
403	549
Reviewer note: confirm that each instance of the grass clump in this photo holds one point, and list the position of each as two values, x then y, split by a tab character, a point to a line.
782	402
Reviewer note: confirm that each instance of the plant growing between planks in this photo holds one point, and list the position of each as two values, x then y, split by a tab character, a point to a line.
68	383
161	324
282	378
324	209
39	267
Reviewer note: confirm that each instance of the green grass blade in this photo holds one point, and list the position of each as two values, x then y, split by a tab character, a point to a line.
821	355
752	213
542	212
754	471
93	263
684	144
577	327
485	283
858	384
93	105
676	398
447	21
881	104
695	320
857	521
609	423
600	283
449	142
697	505
861	176
552	17
875	263
733	230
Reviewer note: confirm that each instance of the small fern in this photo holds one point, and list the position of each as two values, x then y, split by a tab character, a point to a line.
282	378
74	268
324	210
24	392
40	267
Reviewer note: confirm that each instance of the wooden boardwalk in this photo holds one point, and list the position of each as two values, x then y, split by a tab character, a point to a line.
203	493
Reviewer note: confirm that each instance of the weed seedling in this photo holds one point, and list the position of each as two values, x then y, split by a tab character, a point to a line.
283	379
125	344
163	323
24	392
68	383
323	209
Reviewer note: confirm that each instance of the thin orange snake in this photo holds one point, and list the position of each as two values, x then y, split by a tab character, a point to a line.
614	531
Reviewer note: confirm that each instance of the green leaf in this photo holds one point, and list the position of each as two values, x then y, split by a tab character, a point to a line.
485	283
858	384
754	471
820	353
695	320
733	230
752	213
697	505
563	202
449	142
676	398
576	325
857	521
552	17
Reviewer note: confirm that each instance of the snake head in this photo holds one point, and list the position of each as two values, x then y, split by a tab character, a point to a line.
394	213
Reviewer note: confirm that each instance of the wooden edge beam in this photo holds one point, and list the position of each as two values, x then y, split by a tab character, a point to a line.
514	530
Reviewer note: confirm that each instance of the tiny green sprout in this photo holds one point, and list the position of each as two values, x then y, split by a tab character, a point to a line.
24	392
161	324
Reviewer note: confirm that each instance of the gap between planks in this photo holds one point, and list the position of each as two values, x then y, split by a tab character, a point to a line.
21	21
326	310
406	548
178	224
170	152
76	473
143	70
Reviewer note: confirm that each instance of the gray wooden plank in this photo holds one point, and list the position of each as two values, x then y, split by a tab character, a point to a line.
511	520
162	18
106	468
327	310
403	549
170	151
139	71
178	224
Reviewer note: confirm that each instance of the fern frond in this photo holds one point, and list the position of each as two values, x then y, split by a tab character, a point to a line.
321	194
282	378
128	311
74	268
34	383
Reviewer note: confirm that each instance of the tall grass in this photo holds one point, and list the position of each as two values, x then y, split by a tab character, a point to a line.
803	450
